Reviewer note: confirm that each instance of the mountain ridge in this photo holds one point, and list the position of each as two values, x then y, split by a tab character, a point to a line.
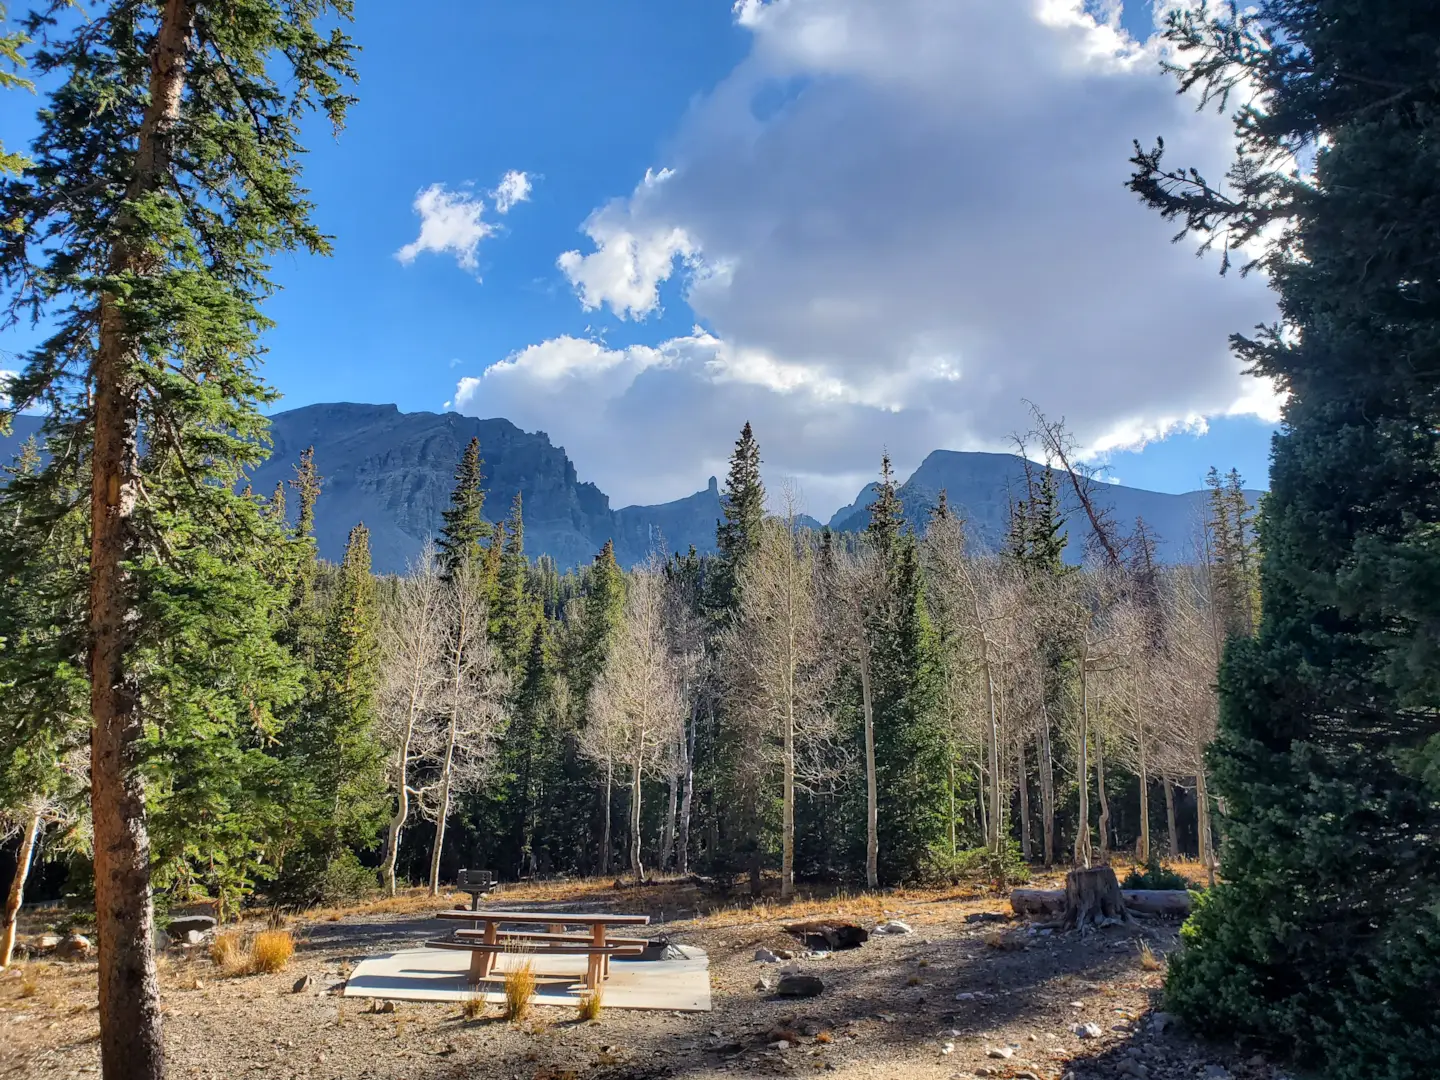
394	471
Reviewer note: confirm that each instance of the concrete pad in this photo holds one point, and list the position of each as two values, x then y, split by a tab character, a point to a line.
440	975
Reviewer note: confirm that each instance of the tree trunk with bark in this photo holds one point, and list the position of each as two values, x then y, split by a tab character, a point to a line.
1144	850
787	840
1092	899
23	859
131	1043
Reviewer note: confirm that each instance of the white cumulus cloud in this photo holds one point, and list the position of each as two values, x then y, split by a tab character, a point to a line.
514	188
898	222
452	222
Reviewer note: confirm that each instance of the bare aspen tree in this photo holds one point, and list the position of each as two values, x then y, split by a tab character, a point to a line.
773	665
410	681
636	710
686	633
980	600
29	820
470	702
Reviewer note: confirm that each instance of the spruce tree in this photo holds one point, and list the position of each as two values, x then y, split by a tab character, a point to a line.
465	528
165	174
911	753
1323	935
737	537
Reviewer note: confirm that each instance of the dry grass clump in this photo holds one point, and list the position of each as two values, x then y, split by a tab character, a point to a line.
267	952
473	1007
591	1002
271	951
29	984
228	953
519	991
1148	960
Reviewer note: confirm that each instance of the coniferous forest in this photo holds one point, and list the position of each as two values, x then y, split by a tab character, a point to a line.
195	704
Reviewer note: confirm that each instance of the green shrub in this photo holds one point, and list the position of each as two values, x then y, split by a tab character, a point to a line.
1155	876
1008	867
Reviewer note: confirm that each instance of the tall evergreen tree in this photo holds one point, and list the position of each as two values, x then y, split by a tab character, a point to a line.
165	174
465	530
737	537
1324	933
911	756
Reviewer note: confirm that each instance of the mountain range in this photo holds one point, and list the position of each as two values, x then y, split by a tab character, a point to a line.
394	471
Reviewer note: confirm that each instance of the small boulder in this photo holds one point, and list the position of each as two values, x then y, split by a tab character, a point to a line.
893	926
1088	1030
45	942
1003	1052
764	984
794	984
1159	1021
162	940
302	984
74	947
183	926
194	937
765	956
386	1007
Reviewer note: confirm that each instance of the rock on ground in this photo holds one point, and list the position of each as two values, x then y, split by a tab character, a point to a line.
794	984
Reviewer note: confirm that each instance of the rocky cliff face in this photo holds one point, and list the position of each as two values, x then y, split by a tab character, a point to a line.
394	471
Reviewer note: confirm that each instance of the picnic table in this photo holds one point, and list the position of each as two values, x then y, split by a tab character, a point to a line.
485	939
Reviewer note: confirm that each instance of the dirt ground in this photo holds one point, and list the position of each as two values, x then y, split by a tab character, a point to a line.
959	997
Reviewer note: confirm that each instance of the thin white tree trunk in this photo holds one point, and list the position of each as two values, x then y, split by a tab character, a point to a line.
1104	798
687	797
23	859
872	799
1047	788
636	769
1025	846
1082	756
1170	818
1144	852
605	836
667	831
1202	814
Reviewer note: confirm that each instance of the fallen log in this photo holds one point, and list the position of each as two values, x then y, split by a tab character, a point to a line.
1051	902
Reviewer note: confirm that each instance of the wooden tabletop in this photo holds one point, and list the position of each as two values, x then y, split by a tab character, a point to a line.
557	918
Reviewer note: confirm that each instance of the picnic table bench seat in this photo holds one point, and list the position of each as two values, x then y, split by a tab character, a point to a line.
483	953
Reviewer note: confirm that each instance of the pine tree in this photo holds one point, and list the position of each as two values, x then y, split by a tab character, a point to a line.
151	279
465	528
738	536
512	611
1324	933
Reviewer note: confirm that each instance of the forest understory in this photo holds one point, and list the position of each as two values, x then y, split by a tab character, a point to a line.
890	1008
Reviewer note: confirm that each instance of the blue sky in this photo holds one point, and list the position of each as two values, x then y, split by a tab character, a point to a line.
820	215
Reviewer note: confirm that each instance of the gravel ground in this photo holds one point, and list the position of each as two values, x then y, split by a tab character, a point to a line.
954	999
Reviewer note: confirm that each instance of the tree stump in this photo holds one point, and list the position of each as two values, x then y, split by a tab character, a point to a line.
1093	900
